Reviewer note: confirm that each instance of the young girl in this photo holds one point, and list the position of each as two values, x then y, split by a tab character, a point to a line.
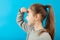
34	28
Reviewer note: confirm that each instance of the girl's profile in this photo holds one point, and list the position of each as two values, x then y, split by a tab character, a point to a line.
36	14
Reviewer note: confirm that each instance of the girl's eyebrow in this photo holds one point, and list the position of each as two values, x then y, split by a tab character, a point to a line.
27	11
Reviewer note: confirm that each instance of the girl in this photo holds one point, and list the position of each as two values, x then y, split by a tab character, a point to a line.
36	14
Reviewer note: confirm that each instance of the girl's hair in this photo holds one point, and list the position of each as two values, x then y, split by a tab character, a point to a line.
38	8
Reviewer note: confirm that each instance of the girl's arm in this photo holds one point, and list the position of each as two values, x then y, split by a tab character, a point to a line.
21	22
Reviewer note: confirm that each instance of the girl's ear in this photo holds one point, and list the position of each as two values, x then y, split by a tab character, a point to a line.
38	16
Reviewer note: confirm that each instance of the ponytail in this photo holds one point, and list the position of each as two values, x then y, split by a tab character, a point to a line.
50	22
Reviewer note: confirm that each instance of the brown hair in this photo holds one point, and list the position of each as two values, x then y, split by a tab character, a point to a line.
38	8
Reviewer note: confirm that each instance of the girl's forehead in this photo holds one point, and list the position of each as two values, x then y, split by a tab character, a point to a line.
30	11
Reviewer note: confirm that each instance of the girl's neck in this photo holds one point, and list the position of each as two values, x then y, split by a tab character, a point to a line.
38	26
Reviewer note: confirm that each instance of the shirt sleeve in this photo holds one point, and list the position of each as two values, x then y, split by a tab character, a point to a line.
22	23
44	36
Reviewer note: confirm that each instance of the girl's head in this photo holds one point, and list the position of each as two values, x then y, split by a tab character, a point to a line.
37	13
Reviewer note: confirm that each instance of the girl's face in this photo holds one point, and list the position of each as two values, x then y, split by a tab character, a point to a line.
30	18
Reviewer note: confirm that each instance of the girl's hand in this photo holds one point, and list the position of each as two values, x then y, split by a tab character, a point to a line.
23	9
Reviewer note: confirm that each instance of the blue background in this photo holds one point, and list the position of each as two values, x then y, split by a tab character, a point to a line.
9	30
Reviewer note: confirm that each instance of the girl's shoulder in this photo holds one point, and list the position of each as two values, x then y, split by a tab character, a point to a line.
45	35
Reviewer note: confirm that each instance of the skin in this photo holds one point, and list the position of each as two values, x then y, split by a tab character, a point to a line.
33	19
